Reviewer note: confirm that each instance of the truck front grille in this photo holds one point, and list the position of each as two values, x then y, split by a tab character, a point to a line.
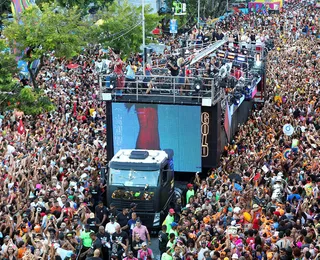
142	205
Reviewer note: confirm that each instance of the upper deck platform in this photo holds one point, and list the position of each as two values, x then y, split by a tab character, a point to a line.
238	72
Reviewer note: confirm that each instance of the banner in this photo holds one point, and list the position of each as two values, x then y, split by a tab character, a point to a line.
211	136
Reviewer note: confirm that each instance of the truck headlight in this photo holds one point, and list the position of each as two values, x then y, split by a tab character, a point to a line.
156	220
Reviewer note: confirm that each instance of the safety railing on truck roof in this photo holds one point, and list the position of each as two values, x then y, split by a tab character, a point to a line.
160	89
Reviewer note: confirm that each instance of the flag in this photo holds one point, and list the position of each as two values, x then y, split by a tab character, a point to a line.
21	129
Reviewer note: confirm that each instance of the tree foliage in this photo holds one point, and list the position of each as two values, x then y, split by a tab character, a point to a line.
13	94
8	68
83	5
37	33
122	26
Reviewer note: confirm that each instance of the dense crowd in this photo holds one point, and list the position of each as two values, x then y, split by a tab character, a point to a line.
262	203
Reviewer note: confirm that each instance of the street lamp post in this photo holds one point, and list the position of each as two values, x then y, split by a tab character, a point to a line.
143	38
198	14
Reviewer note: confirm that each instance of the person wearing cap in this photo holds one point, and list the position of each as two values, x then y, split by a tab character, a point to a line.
102	213
173	229
190	192
169	219
93	222
142	231
145	252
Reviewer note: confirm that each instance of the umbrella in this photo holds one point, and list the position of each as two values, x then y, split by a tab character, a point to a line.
237	187
236	177
72	66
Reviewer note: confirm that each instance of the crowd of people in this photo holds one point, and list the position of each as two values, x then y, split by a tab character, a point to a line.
261	203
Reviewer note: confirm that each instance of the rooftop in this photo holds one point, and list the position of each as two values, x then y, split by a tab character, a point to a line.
153	156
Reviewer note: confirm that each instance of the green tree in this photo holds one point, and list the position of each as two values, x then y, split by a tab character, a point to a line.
122	27
42	32
83	5
8	68
13	94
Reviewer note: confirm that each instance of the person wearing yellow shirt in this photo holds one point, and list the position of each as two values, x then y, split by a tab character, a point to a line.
91	111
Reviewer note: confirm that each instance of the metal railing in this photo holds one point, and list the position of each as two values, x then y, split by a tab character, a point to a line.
160	89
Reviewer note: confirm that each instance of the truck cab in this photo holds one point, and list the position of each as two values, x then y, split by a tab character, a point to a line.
144	177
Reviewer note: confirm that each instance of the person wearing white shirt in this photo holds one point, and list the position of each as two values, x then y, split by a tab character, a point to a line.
111	226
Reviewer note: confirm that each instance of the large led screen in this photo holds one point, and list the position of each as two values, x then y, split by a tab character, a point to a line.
154	127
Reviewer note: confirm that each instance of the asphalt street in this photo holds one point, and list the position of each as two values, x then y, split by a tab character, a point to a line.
155	246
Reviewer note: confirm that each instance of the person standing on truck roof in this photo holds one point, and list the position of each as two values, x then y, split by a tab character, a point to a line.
190	192
169	219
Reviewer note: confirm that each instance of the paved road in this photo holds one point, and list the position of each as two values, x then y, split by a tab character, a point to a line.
155	246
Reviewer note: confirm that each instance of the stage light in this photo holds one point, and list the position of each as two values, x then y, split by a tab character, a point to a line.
241	58
221	54
113	82
197	85
231	56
